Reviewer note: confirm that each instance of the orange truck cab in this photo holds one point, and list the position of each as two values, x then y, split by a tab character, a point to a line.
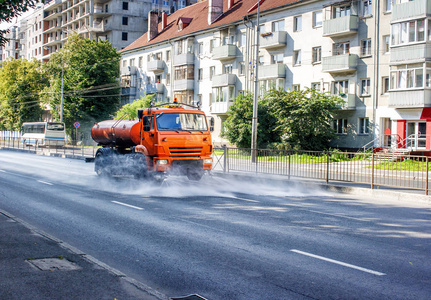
167	138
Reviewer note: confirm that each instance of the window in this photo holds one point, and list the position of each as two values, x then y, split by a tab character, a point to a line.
364	124
200	48
140	61
340	87
124	36
212	72
389	4
261	60
213	44
317	55
168	55
125	5
408	77
168	79
184	72
227	68
366	8
366	47
242	39
296	87
365	87
200	74
262	28
241	68
408	32
317	19
341	11
132	62
385	85
277	58
341	48
297	57
228	40
179	47
297	23
158	56
223	94
278	26
386	39
340	126
125	21
315	86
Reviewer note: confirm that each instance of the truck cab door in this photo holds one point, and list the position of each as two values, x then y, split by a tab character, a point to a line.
148	134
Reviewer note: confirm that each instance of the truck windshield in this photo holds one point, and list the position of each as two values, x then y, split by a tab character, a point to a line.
181	121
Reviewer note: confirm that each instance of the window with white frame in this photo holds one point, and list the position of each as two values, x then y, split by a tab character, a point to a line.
315	86
367	8
242	39
132	62
317	19
200	74
297	23
228	40
241	67
278	26
200	48
340	126
268	84
179	47
262	28
340	87
386	43
212	72
223	94
297	57
213	44
277	58
158	56
296	87
341	48
140	61
408	77
366	47
168	55
227	68
365	87
389	4
341	11
261	60
317	55
364	124
408	32
385	85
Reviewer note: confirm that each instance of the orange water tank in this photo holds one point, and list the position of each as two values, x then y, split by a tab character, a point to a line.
123	133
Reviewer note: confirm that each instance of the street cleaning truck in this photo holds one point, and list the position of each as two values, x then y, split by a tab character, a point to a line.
167	138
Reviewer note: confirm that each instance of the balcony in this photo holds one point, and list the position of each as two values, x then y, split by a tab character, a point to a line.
349	102
345	63
410	53
156	66
272	40
184	85
220	107
225	52
410	98
131	70
411	10
342	26
184	59
128	91
224	80
157	88
272	71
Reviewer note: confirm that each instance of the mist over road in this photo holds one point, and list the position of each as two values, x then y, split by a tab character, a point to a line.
226	238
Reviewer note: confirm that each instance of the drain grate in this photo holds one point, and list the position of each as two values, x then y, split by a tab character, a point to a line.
53	264
189	297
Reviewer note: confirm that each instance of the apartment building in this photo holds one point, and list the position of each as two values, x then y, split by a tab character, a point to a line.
12	47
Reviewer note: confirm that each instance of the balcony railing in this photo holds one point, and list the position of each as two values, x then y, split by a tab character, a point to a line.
340	26
224	80
272	71
225	52
410	98
156	66
349	102
273	40
158	88
345	63
130	70
410	53
411	10
184	85
184	59
220	107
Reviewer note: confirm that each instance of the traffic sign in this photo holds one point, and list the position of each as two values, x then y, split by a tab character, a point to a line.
76	124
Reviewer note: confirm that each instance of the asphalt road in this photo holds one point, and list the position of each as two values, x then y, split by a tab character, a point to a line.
224	238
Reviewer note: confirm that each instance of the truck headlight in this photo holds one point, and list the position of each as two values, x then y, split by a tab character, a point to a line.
208	161
162	162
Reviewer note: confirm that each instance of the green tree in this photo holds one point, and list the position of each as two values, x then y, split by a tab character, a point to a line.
20	84
10	9
304	117
130	110
238	125
91	87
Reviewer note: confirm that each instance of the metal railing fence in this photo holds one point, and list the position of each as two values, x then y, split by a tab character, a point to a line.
396	170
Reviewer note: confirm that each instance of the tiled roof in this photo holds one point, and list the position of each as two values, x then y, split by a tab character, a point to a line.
198	14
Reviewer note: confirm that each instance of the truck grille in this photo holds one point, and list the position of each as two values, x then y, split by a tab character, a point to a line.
185	151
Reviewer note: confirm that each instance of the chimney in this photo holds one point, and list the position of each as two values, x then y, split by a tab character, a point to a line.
153	24
215	10
164	20
230	4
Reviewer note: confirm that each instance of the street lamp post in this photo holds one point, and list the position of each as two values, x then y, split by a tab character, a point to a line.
62	89
256	89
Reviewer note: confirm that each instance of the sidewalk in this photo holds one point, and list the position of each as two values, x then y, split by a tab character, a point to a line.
36	266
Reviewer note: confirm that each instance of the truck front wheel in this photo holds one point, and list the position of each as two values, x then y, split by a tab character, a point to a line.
195	174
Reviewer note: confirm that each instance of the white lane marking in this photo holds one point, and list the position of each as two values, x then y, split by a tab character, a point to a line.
44	182
128	205
339	262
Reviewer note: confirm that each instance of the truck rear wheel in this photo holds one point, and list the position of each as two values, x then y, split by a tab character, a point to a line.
140	162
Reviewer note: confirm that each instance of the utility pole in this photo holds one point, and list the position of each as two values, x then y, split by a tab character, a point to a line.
256	90
62	89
